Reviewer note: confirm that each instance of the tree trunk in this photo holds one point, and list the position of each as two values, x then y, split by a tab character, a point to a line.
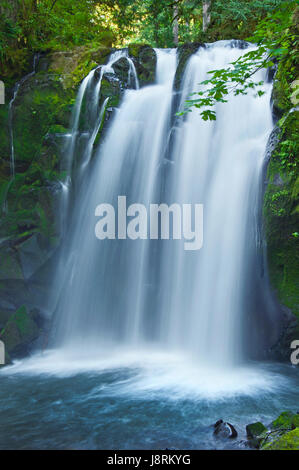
175	25
206	16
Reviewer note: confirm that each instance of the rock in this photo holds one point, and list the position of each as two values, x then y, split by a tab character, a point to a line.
9	265
121	68
288	441
145	59
4	317
19	332
255	433
32	255
286	420
226	430
184	52
110	88
255	429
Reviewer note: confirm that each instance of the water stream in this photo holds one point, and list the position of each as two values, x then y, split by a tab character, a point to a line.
151	344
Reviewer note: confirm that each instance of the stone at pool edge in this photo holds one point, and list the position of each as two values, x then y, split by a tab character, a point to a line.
255	432
288	441
225	430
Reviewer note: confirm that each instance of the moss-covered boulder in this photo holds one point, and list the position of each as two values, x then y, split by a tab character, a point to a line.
288	441
19	332
145	60
255	433
184	52
286	421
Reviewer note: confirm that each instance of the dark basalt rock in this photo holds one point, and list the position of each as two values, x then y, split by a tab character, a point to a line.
255	434
225	430
121	68
145	60
184	52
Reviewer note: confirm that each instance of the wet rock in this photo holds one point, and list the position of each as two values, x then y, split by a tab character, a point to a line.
184	52
255	434
110	88
286	420
288	441
144	59
225	430
121	68
10	265
19	332
32	255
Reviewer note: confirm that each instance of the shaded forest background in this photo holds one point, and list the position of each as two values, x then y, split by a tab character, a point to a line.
28	26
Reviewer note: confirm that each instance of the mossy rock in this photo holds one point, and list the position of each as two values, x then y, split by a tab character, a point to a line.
255	433
110	88
4	140
184	53
145	60
287	420
135	49
10	267
288	441
41	103
281	220
19	331
121	68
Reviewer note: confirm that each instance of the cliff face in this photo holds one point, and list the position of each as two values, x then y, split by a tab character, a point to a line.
33	134
281	204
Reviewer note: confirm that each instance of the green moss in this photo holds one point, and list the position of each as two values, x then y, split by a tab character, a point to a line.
110	89
256	432
4	135
42	104
255	429
288	441
135	49
286	420
281	214
144	58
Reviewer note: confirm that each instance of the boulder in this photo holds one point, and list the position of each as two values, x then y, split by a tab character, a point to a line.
184	53
32	255
19	332
224	430
288	441
255	433
145	60
286	420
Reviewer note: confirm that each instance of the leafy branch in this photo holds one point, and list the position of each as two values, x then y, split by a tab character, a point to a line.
275	41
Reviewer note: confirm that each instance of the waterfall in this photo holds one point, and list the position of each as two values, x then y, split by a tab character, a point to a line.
88	90
140	292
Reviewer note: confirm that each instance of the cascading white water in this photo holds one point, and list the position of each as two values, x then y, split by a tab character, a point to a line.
134	292
95	116
218	164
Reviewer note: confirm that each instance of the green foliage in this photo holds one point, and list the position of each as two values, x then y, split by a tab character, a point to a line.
277	41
